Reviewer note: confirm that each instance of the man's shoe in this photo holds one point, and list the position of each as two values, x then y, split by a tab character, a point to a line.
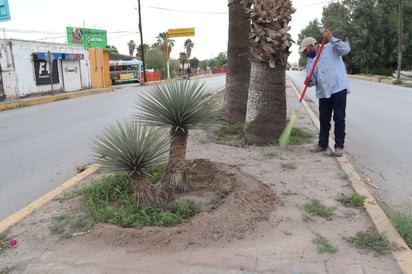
338	152
317	149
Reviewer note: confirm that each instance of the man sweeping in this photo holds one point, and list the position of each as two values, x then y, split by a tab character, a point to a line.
332	87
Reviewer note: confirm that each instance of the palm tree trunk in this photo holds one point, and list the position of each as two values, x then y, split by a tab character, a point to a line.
266	107
145	193
238	65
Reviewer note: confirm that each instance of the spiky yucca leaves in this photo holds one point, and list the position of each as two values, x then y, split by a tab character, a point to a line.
132	148
180	105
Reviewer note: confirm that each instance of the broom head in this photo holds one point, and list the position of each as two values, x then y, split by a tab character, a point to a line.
285	136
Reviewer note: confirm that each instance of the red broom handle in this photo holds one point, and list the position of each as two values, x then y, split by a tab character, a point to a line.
312	71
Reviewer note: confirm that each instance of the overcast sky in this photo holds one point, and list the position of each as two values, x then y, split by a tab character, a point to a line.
46	20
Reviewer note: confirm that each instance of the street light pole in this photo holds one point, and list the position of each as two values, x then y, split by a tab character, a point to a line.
141	42
398	76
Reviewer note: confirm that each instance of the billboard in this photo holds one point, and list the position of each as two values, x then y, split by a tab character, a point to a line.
91	38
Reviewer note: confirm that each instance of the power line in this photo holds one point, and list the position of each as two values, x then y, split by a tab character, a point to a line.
185	11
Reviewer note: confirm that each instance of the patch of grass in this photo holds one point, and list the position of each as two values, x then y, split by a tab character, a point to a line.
289	193
371	240
66	225
408	85
62	98
222	192
270	154
5	239
231	134
344	176
397	82
186	209
323	244
288	165
316	208
111	200
355	200
403	224
23	105
307	218
298	137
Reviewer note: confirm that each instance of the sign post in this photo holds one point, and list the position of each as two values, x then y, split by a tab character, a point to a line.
176	33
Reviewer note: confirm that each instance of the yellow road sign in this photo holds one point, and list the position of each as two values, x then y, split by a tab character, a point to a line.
181	32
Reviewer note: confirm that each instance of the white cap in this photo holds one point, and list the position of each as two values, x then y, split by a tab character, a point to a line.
307	41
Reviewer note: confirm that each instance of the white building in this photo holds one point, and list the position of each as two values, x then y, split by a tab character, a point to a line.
25	68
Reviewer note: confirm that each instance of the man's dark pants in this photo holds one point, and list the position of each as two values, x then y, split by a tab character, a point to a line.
336	104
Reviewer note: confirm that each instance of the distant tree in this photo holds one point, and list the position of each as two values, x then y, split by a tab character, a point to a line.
183	59
146	48
188	45
194	63
155	59
112	48
161	42
132	47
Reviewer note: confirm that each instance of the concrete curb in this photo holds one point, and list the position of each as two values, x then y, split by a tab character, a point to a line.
403	256
24	212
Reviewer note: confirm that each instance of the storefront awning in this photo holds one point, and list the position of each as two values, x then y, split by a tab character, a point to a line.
59	55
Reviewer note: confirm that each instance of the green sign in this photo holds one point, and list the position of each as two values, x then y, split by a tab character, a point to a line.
91	38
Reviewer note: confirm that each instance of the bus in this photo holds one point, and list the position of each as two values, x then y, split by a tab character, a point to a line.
125	71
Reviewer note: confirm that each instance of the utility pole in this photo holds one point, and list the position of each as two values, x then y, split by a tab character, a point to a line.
141	43
398	76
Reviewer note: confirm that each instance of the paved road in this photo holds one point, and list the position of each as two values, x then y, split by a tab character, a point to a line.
379	130
41	146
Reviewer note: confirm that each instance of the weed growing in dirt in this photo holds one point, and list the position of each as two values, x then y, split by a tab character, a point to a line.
323	244
299	136
270	154
344	176
289	193
67	225
186	208
403	224
222	192
5	239
288	165
62	98
231	134
316	208
371	240
355	200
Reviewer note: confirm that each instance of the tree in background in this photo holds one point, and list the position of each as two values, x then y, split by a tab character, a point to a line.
269	43
372	28
238	65
188	45
155	59
161	42
183	59
146	48
132	47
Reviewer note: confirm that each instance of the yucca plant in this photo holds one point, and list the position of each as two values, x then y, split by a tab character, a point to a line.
135	149
180	105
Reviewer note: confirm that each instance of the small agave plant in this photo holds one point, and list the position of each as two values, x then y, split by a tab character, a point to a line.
180	106
135	149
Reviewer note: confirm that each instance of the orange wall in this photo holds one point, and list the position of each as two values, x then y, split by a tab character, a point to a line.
99	68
